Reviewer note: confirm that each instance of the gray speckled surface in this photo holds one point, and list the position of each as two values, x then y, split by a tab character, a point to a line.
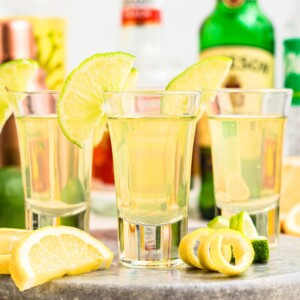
278	279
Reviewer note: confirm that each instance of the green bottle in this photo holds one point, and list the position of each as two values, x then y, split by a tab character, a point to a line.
237	29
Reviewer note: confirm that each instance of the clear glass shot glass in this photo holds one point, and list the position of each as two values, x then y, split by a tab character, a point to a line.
56	174
152	134
247	131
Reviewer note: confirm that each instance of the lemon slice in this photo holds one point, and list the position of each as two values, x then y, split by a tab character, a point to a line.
4	263
14	75
52	252
188	247
10	238
241	247
80	104
242	222
291	223
205	75
204	254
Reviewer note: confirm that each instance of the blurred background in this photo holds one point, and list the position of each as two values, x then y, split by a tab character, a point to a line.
95	25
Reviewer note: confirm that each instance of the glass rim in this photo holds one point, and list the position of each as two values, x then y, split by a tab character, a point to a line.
153	92
250	90
34	92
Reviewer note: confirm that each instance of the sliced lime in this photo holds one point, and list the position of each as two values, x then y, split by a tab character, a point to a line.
206	75
218	222
80	105
101	128
242	222
15	75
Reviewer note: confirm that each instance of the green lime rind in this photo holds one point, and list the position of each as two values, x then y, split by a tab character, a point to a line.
261	248
15	75
218	223
243	223
80	104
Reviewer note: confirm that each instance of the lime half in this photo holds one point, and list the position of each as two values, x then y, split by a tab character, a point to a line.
15	75
80	105
242	222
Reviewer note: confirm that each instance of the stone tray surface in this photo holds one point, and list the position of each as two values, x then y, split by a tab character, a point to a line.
277	279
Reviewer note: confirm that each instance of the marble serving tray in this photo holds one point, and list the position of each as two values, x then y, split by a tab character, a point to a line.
277	279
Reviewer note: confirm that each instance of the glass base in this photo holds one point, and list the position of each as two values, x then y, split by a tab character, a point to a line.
150	246
37	220
266	222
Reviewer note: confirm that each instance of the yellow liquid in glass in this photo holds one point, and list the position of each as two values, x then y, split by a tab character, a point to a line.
246	152
152	165
56	173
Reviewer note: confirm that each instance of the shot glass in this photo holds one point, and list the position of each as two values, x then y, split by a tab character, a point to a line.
152	136
56	174
247	130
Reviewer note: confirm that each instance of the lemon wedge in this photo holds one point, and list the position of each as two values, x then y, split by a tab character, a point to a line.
10	238
291	223
54	251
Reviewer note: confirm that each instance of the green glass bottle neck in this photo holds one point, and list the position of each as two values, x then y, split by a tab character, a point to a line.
235	5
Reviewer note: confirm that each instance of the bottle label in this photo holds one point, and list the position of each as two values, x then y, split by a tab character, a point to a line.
251	68
233	3
141	12
292	68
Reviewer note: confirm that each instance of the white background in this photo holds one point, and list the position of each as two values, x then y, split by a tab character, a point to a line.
94	25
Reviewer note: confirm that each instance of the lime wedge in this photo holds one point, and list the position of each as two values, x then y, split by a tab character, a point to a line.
206	74
218	222
242	222
130	84
15	75
80	104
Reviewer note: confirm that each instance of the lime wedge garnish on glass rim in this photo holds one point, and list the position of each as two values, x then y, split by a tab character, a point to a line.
242	222
130	84
80	104
205	75
15	75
